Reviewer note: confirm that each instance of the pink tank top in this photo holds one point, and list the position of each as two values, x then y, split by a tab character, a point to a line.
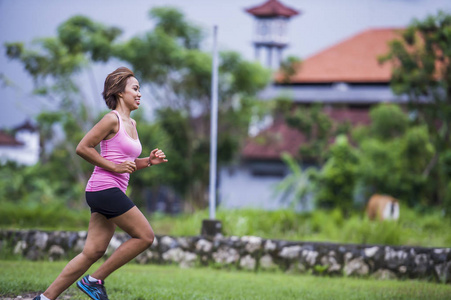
118	149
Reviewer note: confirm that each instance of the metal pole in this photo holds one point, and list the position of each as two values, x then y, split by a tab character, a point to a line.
213	127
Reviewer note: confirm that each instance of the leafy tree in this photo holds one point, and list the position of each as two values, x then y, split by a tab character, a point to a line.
337	178
298	186
422	70
388	157
445	177
289	67
388	122
318	129
393	155
169	61
54	64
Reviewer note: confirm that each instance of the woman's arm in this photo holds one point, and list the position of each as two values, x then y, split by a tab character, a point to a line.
156	157
86	147
142	163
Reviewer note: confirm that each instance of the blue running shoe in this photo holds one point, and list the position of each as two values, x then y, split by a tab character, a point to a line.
37	297
95	290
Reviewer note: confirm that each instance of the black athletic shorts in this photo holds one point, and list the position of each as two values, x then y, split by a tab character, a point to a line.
110	202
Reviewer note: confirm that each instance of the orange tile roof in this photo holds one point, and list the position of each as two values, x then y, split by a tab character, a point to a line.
353	60
272	8
8	140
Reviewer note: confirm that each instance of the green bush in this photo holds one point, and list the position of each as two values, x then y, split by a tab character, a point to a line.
337	178
364	231
43	216
415	228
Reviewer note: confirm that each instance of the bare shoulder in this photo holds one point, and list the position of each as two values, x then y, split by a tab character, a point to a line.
109	122
111	116
104	129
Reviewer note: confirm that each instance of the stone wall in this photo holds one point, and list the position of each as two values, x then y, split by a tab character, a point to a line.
249	253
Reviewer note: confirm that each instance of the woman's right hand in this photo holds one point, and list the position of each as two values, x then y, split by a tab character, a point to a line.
125	167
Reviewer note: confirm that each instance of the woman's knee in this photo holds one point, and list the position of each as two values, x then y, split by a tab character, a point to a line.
148	239
94	254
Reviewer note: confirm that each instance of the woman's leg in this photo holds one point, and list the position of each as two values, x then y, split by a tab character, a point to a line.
136	225
100	232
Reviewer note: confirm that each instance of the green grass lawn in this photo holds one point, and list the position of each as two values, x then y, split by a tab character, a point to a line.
170	282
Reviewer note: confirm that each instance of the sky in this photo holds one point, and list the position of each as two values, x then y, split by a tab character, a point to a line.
321	24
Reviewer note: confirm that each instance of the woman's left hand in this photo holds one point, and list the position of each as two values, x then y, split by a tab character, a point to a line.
157	157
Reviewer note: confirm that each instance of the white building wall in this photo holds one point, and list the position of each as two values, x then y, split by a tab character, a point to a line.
26	154
238	188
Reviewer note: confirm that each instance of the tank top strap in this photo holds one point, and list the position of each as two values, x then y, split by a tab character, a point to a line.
119	117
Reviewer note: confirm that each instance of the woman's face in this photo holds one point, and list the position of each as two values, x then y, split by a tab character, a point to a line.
131	95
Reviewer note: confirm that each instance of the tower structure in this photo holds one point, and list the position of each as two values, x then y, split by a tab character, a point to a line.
270	31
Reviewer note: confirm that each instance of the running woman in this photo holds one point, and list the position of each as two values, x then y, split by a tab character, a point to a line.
105	191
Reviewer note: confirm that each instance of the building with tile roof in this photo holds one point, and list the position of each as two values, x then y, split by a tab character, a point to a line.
271	28
346	78
8	140
21	146
272	8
